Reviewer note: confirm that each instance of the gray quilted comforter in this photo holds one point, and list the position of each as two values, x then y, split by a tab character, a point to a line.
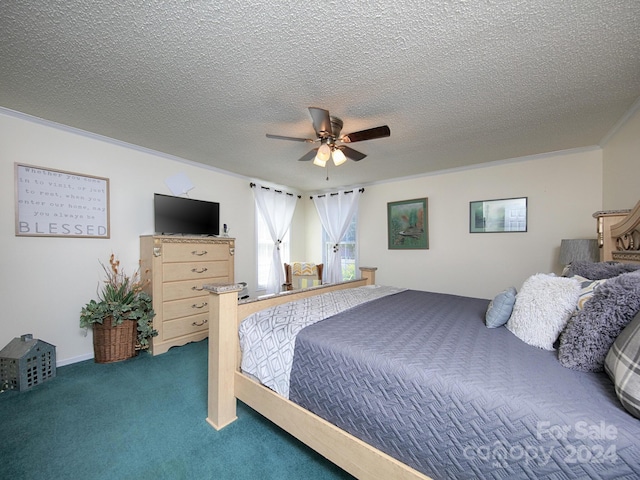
419	376
267	337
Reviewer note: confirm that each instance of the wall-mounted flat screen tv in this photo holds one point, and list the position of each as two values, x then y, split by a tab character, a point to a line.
185	216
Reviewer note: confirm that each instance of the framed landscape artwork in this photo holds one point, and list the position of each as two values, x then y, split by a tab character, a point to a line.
407	224
503	215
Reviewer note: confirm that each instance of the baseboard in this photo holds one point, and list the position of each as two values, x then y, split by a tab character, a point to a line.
69	361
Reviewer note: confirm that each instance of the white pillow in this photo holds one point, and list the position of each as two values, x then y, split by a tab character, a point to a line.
543	307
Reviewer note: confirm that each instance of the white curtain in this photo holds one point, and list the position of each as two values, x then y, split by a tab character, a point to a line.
277	210
336	211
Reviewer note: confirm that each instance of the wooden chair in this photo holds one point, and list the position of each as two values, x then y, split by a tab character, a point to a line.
302	275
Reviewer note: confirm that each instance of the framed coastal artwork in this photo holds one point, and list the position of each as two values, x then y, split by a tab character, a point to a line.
407	224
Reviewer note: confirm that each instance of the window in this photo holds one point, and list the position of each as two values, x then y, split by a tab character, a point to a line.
348	250
265	250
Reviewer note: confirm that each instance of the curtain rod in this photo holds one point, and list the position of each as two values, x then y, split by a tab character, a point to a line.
277	191
336	193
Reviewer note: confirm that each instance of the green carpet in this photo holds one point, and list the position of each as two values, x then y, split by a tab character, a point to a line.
143	418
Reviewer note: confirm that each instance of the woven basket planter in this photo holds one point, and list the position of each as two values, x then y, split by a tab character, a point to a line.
113	344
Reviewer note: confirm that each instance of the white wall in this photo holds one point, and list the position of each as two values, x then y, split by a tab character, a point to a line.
45	281
622	164
563	191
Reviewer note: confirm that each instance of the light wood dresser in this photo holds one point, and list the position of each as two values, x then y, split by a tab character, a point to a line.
175	268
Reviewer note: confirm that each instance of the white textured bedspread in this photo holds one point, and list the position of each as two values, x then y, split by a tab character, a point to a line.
268	337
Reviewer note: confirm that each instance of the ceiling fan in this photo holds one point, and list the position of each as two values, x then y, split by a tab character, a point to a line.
328	130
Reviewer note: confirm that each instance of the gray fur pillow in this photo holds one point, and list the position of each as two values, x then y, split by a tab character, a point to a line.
600	270
589	334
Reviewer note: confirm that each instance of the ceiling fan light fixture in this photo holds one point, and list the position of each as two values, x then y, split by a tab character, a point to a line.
328	130
324	152
338	157
319	162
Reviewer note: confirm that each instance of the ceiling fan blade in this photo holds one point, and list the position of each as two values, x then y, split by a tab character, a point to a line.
308	156
369	134
295	139
351	153
321	120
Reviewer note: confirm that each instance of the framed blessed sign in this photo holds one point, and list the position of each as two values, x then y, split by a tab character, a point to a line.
503	215
55	203
407	224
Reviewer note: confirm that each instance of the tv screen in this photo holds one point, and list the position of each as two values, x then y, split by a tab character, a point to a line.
185	216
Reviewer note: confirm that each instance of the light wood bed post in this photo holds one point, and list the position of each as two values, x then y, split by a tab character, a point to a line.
224	319
368	274
223	345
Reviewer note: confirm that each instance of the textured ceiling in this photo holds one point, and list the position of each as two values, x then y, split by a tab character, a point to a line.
458	82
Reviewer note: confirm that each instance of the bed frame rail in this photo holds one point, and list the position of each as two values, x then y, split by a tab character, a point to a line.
227	385
225	314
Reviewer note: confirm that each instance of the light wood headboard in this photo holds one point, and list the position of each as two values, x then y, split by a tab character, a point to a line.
619	235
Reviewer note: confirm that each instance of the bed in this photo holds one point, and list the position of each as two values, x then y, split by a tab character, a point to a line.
484	421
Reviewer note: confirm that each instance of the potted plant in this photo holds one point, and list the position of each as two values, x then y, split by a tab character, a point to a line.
121	317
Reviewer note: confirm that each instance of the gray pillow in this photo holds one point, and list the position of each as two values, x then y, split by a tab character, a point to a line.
623	366
500	308
600	270
589	334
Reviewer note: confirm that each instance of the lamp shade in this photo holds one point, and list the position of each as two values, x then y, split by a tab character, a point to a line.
324	152
579	250
319	162
338	157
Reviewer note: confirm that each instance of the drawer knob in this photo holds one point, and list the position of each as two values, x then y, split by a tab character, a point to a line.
197	288
199	270
199	324
202	305
199	253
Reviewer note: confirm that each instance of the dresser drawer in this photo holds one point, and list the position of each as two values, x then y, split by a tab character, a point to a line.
183	308
175	269
194	252
185	326
186	288
196	270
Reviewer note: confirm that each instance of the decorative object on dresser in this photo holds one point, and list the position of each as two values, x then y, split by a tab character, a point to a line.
121	318
175	269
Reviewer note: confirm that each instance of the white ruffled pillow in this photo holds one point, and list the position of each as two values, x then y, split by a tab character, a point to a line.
543	307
